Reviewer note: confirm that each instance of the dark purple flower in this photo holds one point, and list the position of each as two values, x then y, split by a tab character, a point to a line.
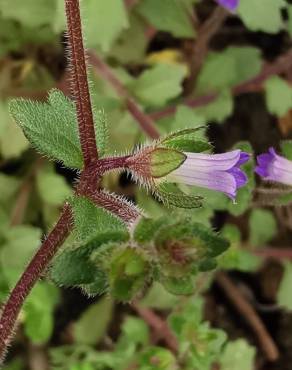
229	4
219	172
273	167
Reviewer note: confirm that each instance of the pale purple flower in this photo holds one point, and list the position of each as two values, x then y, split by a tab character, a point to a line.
273	167
229	4
219	172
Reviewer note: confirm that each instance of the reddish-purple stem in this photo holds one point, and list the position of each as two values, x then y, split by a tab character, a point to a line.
145	122
30	276
79	83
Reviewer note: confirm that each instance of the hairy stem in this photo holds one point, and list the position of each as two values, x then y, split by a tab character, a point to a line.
79	83
30	276
145	121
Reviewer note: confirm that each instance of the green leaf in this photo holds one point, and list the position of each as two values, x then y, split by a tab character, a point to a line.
178	286
236	65
104	20
73	268
278	96
289	24
51	127
284	297
238	355
19	246
219	109
128	271
164	161
159	84
135	330
96	224
168	15
210	80
158	298
262	15
236	257
53	188
263	227
171	195
38	311
146	229
186	117
286	147
8	129
31	13
92	325
164	359
131	45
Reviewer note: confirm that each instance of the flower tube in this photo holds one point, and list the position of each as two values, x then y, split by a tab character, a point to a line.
220	172
273	167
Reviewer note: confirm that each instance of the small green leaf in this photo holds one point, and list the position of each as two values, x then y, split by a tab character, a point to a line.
96	224
104	22
31	13
161	358
238	355
163	161
168	15
179	286
128	273
186	117
135	330
146	229
263	227
278	96
284	297
51	127
39	312
73	268
159	84
262	15
219	109
93	324
286	147
53	188
20	243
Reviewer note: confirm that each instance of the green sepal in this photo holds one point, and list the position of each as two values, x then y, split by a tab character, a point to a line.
171	195
95	224
128	271
187	133
187	140
163	161
188	145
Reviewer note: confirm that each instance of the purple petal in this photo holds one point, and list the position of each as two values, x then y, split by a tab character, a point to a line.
216	162
215	180
274	167
239	175
229	4
244	157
